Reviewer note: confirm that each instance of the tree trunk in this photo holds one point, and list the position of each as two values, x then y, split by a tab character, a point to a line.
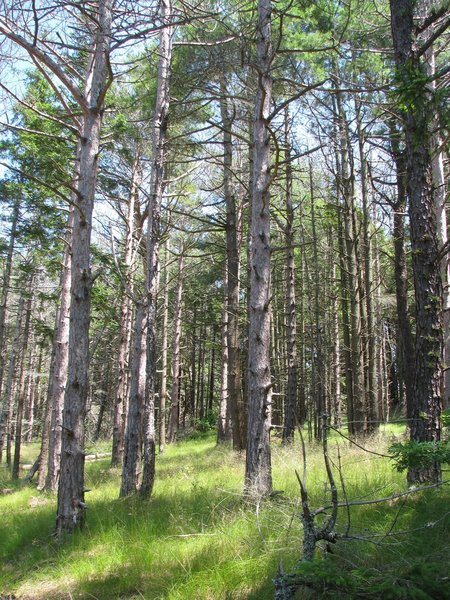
57	384
370	334
290	405
160	123
32	383
317	358
5	287
71	506
21	385
258	472
233	234
190	403
426	409
355	399
405	340
175	392
223	429
126	315
132	445
335	391
210	397
164	335
439	192
8	392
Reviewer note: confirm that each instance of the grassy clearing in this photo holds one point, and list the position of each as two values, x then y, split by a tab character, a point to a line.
196	539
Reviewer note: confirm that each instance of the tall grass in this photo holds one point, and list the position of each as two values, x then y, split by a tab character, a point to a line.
197	539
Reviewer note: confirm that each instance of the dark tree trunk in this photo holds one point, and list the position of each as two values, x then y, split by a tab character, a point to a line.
427	390
405	338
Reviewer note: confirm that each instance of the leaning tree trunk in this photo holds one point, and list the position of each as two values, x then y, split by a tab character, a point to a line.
426	409
258	472
71	505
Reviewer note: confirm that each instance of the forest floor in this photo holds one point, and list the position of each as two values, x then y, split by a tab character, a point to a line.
197	539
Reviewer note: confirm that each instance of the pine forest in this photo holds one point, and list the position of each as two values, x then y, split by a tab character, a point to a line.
224	299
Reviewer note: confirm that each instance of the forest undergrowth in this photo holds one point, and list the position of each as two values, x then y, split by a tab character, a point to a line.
198	539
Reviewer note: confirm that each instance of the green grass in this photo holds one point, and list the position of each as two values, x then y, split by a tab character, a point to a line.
196	539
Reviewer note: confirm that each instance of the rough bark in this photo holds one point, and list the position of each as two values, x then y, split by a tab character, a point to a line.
164	335
71	505
132	444
57	383
317	347
160	123
426	409
290	405
258	475
335	385
5	286
8	391
355	398
370	333
175	391
233	223
223	427
405	338
21	385
439	193
126	315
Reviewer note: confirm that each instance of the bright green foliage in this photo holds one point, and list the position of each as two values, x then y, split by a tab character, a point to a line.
445	418
411	455
410	84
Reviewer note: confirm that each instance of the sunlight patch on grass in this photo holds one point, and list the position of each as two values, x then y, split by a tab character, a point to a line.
196	538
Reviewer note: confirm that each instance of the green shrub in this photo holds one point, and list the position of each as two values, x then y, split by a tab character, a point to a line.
411	455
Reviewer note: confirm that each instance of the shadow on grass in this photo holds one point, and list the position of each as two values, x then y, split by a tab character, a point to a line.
194	541
114	525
